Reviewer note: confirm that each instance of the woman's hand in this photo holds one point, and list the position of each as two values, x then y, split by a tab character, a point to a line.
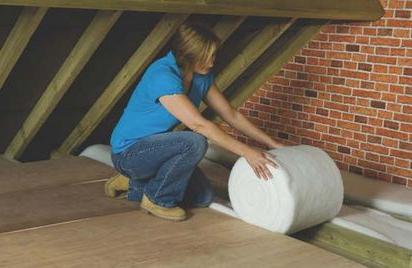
258	159
275	145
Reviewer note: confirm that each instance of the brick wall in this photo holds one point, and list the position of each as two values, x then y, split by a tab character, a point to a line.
349	92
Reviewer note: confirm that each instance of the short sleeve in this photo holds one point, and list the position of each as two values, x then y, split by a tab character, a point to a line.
208	80
161	83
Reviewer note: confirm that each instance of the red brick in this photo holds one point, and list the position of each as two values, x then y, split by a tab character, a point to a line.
391	124
400	171
349	125
309	133
405	99
386	159
339	89
334	139
366	93
363	110
386	78
382	59
354	74
375	148
337	106
359	136
403	117
382	51
371	165
391	133
402	163
405	80
372	156
380	41
385	114
390	143
407	109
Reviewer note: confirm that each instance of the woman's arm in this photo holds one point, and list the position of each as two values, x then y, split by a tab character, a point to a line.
183	109
222	107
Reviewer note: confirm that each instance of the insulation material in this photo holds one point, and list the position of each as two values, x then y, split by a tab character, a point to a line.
376	224
306	190
99	152
384	196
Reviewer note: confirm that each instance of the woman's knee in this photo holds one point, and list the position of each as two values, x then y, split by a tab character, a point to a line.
197	144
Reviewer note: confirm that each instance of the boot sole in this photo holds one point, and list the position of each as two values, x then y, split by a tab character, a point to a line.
148	211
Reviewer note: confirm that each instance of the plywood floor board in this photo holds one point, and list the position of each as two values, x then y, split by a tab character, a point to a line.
134	239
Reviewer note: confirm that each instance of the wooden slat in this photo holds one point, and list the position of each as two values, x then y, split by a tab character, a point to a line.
123	80
272	65
367	250
19	37
132	239
268	35
74	63
226	26
332	9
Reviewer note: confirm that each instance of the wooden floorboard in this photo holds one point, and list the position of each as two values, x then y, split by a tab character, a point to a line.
134	239
50	173
38	207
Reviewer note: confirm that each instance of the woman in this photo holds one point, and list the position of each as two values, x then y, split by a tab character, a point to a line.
161	163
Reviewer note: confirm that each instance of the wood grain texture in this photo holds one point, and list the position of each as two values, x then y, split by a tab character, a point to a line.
74	63
332	9
123	80
51	173
19	37
134	239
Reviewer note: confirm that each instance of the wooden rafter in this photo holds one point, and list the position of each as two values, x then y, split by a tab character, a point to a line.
226	26
272	65
324	9
146	52
256	47
19	37
74	63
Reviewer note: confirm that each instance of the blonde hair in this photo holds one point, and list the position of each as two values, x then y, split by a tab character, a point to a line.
194	43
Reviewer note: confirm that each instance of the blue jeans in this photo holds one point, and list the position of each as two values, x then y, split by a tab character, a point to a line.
164	167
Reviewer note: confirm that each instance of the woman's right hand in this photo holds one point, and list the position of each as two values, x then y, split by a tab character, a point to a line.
258	159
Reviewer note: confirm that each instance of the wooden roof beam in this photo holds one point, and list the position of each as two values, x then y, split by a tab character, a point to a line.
272	65
74	63
27	23
137	63
324	9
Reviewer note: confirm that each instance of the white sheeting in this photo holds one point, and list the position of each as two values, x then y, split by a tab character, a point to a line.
384	196
99	152
376	224
306	190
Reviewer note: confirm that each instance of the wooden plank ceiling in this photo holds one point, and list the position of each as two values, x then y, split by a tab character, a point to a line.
67	68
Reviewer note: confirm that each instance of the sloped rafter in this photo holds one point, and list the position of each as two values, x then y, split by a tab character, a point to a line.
323	9
226	26
146	52
256	47
72	66
26	24
272	65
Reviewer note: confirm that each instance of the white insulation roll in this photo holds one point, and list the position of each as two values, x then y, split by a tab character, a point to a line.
306	190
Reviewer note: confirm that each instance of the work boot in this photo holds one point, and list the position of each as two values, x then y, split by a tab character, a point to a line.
115	185
173	213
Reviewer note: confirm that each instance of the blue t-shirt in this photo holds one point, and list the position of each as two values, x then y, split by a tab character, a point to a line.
144	114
